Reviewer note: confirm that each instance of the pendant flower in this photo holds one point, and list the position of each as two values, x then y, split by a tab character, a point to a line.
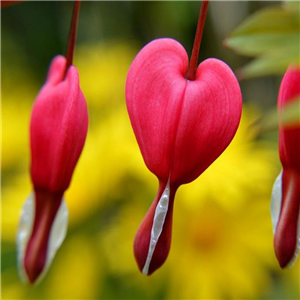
285	206
58	129
183	119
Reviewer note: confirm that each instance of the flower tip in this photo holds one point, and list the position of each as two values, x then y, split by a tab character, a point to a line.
141	249
56	70
283	255
37	244
33	267
153	239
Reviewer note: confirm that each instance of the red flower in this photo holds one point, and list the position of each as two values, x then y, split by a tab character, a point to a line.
183	118
181	127
58	129
286	191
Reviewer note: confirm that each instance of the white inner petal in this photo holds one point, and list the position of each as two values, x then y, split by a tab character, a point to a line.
57	234
158	223
23	234
276	201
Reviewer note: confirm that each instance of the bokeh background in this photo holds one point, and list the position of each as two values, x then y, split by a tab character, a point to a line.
222	244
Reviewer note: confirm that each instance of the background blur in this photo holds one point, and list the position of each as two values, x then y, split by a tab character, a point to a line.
222	244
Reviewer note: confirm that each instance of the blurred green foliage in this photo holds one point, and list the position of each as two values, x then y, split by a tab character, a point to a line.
272	36
222	238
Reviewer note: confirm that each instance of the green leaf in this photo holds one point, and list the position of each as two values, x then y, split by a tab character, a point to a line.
258	44
289	117
271	64
268	20
272	37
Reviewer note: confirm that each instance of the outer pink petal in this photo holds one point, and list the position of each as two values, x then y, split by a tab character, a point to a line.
58	129
209	118
155	89
181	126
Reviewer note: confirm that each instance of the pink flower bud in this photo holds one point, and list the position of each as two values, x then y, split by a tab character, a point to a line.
286	191
181	127
58	129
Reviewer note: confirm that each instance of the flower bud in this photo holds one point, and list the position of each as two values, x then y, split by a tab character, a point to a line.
58	129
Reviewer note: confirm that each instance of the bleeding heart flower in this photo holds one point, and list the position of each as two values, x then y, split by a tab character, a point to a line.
58	129
183	119
285	207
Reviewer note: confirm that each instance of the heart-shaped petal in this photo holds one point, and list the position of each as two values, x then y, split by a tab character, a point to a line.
181	126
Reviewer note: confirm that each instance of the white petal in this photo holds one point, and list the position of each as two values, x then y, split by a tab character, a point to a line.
57	234
23	234
158	223
276	201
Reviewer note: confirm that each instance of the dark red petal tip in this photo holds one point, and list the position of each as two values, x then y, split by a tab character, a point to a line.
46	207
286	235
153	238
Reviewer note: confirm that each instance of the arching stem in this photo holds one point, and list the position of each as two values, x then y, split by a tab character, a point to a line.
72	35
191	72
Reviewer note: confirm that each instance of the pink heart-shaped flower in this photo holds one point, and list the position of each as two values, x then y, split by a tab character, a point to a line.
181	127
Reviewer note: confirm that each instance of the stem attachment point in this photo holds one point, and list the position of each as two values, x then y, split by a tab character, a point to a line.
72	35
192	68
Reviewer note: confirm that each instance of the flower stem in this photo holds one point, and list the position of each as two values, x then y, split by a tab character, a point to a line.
72	35
191	72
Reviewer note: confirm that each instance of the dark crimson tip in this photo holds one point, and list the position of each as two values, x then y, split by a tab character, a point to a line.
46	207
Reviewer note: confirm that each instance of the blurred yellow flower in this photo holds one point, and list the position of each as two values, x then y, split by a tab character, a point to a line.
76	271
14	131
13	196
